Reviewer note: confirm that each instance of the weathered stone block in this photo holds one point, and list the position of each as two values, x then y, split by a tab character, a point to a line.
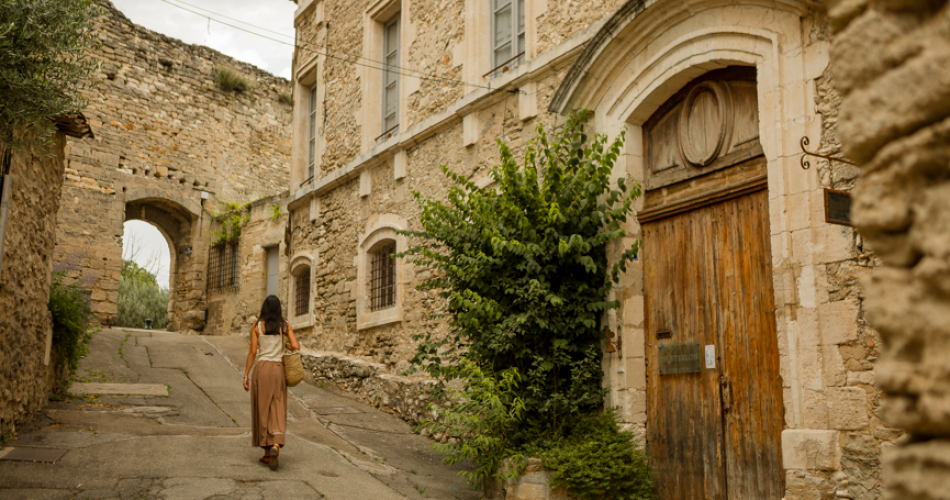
847	408
810	449
838	322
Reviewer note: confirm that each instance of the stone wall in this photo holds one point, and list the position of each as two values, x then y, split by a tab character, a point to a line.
29	371
406	397
887	61
233	310
166	139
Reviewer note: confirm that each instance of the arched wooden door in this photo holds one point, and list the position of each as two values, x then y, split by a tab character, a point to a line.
714	394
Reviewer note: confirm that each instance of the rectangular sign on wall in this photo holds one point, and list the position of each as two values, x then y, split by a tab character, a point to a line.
838	207
681	358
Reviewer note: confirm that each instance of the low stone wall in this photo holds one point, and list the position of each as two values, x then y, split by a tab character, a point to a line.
533	484
406	397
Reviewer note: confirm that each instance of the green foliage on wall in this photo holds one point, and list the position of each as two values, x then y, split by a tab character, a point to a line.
228	79
275	212
45	62
72	317
141	298
233	219
523	267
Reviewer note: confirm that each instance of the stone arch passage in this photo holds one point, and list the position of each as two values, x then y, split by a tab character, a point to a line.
180	226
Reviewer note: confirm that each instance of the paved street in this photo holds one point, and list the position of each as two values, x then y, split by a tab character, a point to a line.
195	442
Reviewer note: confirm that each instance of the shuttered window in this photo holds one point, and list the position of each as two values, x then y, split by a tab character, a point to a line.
508	38
312	132
391	77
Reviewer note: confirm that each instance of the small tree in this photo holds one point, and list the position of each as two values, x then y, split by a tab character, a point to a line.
44	65
523	267
141	298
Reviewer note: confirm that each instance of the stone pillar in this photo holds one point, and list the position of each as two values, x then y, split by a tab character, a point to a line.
891	59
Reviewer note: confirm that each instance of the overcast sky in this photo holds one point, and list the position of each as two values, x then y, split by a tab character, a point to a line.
274	15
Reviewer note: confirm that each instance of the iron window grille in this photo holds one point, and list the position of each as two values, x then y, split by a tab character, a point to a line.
383	278
223	266
302	292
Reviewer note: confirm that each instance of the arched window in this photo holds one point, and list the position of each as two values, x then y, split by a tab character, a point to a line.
302	291
383	276
380	278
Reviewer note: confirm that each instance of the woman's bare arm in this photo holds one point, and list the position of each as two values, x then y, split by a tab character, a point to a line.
294	345
251	354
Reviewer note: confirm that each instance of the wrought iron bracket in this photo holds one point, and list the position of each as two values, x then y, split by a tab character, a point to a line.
806	164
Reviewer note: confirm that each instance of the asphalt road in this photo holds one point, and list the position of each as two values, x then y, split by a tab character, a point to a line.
195	443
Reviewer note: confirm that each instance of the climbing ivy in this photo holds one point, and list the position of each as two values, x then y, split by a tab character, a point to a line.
523	268
233	219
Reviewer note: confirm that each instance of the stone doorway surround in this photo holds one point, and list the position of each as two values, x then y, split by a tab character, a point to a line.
643	55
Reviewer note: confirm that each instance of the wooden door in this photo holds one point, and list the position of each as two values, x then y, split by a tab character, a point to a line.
714	433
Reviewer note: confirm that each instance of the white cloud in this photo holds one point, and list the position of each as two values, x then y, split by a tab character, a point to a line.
275	15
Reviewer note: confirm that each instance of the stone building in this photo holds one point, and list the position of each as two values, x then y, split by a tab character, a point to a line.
895	122
743	263
171	148
30	187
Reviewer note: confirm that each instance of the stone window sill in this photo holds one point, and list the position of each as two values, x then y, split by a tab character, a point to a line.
379	318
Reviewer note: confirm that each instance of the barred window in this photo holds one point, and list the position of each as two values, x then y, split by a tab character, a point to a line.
223	266
302	291
383	277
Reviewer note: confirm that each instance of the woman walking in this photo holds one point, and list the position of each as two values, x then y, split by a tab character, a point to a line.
268	386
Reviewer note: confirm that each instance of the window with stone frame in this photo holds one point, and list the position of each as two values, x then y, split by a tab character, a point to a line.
312	131
390	99
223	266
382	284
507	34
302	291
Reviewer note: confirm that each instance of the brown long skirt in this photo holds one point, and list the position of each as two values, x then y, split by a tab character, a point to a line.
268	404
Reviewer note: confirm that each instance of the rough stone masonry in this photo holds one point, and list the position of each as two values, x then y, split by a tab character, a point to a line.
895	122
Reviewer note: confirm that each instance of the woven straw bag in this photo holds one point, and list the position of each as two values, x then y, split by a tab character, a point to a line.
293	368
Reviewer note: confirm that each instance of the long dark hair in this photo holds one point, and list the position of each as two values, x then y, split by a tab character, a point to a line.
271	316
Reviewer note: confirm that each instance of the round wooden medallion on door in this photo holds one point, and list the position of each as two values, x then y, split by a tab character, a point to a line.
714	394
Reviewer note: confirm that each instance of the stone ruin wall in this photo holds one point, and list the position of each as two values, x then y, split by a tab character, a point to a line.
28	375
895	123
164	133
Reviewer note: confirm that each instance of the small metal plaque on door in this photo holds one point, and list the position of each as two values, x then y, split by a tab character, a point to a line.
681	358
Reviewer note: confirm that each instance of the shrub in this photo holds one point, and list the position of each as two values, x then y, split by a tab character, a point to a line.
285	98
275	212
229	79
481	421
524	271
72	318
141	298
597	460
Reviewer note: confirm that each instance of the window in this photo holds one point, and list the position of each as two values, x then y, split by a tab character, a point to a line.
312	132
302	291
391	77
223	266
383	277
380	282
508	38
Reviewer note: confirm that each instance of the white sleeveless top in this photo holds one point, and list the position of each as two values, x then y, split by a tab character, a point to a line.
269	347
